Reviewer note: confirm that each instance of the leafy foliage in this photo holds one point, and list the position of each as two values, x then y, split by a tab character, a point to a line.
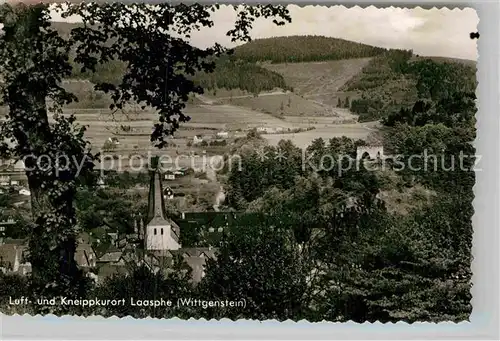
260	265
141	284
113	209
326	247
257	175
12	286
372	265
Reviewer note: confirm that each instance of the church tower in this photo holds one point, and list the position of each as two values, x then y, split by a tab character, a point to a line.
161	233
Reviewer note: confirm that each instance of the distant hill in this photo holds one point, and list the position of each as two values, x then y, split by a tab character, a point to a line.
228	74
368	78
466	62
293	49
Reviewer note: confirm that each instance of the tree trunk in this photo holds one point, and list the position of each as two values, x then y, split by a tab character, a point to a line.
52	239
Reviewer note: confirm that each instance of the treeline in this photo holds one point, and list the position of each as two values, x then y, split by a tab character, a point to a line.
109	72
388	65
228	74
295	49
112	209
231	74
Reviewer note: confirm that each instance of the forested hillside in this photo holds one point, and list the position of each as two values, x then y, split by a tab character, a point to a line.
385	85
227	75
242	75
303	49
110	72
397	78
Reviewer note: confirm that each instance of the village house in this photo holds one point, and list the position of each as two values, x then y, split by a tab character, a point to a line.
169	175
156	241
19	166
101	183
114	140
12	257
4	180
24	191
222	135
108	270
114	238
7	222
197	139
112	256
168	193
270	130
85	255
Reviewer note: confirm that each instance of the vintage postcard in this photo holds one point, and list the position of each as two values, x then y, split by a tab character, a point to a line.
243	162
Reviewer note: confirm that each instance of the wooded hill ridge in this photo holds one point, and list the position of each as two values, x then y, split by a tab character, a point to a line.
293	49
383	82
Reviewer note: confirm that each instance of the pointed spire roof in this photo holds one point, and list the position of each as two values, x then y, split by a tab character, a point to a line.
156	211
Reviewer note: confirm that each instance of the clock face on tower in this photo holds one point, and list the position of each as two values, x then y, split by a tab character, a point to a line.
168	193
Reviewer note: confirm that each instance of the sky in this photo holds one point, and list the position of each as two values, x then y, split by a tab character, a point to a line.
429	32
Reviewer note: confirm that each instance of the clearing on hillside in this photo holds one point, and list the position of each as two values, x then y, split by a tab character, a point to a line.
320	81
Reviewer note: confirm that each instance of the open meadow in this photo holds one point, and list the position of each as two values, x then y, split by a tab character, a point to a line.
130	128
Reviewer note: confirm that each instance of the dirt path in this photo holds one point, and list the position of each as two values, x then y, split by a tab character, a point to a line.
219	199
205	99
262	94
212	176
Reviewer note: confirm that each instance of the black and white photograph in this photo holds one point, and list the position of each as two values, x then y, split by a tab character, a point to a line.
260	162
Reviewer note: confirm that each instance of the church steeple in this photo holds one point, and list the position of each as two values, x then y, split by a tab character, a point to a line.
156	203
161	232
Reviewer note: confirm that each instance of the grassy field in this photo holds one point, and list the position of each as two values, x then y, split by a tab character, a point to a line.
316	90
286	104
206	120
282	105
238	114
232	117
304	139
